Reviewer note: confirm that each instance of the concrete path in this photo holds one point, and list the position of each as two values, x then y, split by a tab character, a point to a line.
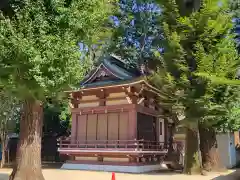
52	174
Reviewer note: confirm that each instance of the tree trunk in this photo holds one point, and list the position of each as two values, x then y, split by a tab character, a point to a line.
192	162
208	145
3	145
28	162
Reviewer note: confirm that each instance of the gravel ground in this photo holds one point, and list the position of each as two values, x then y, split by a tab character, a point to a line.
56	174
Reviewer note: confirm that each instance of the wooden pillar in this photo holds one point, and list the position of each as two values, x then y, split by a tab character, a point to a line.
132	126
236	138
102	97
74	127
72	158
166	138
74	97
132	159
100	158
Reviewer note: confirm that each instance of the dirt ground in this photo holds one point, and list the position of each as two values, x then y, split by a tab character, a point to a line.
52	174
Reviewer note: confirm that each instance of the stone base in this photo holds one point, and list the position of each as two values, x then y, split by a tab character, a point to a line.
114	168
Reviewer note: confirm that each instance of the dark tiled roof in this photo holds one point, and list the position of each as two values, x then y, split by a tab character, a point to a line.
117	67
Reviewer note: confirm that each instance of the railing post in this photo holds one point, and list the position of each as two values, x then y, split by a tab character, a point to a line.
60	143
137	142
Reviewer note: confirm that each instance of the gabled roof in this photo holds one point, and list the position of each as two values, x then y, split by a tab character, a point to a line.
111	70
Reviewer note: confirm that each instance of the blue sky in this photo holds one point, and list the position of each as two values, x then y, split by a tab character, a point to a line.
137	7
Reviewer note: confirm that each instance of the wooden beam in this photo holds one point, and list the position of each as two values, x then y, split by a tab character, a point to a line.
104	109
140	100
132	95
236	138
139	93
148	111
102	96
101	100
72	101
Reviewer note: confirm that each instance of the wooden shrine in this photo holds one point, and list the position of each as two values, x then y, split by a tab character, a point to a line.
116	123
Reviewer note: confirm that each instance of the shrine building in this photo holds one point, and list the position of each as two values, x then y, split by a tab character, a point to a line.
117	125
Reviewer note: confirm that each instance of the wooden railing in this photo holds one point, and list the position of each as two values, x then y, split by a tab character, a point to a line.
137	145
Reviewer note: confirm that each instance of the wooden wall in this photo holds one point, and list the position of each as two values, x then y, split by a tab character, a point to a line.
93	98
120	99
107	126
99	124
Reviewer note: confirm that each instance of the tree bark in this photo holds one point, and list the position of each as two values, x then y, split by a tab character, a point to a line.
192	163
28	162
208	145
3	146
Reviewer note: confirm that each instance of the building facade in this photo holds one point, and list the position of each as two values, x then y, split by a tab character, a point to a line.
117	125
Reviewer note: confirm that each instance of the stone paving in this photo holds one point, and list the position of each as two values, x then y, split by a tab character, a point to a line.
56	174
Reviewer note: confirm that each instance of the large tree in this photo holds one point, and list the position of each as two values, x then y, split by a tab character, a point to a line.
200	54
228	97
137	25
40	57
136	30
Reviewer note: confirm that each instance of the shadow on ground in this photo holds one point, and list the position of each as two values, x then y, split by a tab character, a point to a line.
233	176
45	165
51	165
163	172
3	176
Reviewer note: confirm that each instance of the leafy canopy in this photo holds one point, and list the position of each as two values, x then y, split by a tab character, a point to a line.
136	30
200	54
39	43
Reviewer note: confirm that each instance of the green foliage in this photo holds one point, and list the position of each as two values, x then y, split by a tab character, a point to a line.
200	54
56	117
9	111
170	96
230	100
39	54
54	120
136	31
65	110
136	38
234	5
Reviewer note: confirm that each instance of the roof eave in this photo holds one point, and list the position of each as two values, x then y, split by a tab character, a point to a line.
134	82
131	83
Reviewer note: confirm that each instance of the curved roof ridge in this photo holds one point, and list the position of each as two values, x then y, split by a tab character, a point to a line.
117	70
117	57
88	77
